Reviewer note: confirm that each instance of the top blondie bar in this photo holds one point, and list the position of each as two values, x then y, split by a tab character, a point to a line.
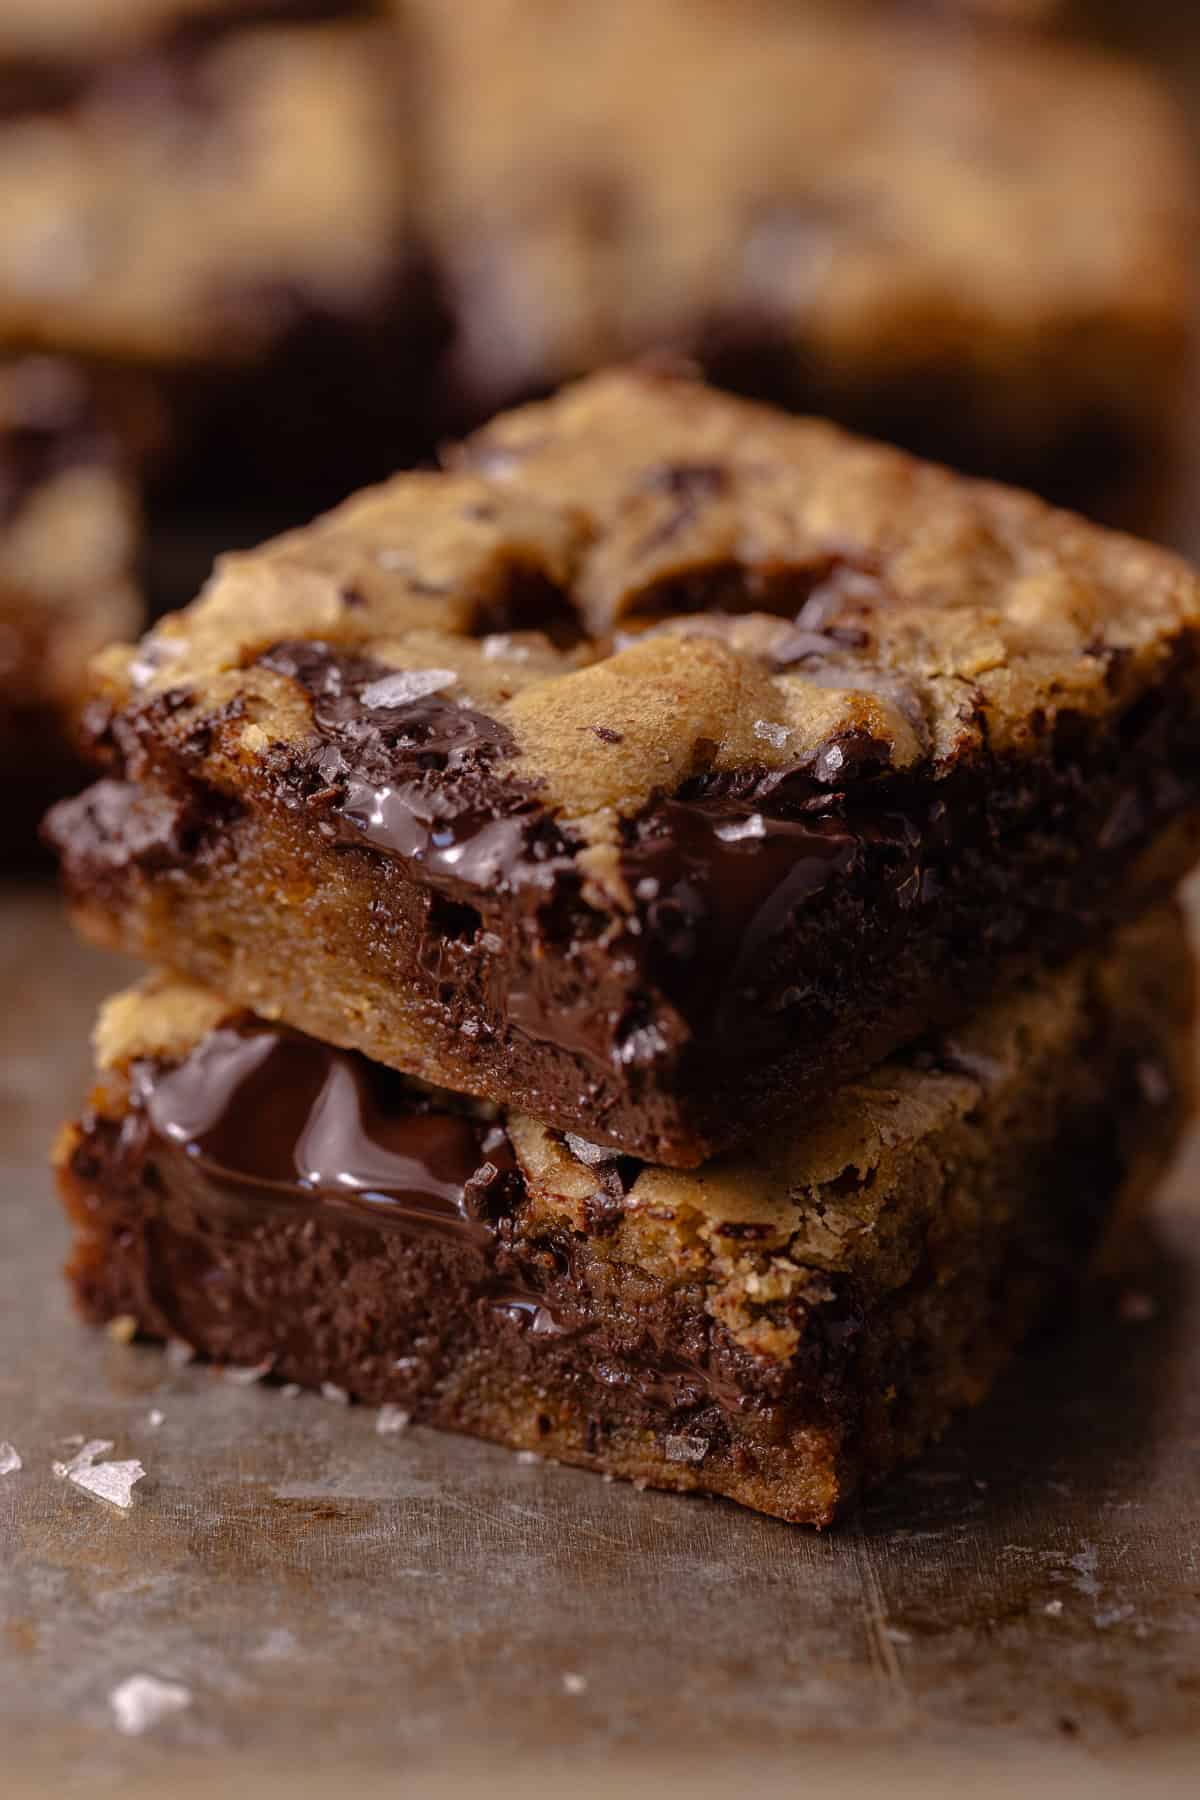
658	763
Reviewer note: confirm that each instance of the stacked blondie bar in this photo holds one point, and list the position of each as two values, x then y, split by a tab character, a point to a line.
664	938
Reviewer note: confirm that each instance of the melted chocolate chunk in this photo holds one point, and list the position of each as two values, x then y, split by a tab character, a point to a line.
403	768
263	1108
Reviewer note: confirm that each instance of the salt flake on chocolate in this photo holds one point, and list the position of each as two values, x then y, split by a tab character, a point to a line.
405	686
739	829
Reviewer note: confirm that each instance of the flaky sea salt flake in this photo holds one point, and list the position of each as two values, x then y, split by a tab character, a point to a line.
768	733
574	1684
405	686
180	1353
142	1701
154	1418
739	830
390	1419
331	1391
111	1481
83	1458
10	1459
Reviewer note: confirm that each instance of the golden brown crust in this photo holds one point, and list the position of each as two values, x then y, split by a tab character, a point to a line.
948	618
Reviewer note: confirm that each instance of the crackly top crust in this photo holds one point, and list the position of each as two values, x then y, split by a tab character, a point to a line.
605	178
68	535
847	1194
931	619
194	217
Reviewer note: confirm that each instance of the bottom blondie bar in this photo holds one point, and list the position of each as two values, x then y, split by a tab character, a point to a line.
782	1326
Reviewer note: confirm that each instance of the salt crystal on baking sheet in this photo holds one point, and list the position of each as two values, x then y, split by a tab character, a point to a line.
252	1372
142	1700
112	1481
10	1459
391	1418
83	1458
331	1391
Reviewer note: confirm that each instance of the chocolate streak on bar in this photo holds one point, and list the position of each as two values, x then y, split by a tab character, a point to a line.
269	1116
717	877
260	1122
724	874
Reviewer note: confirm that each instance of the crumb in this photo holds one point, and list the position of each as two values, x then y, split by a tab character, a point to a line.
10	1459
141	1701
123	1329
641	1484
390	1419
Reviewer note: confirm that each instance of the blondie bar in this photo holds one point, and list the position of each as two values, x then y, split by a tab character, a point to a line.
659	764
782	1327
